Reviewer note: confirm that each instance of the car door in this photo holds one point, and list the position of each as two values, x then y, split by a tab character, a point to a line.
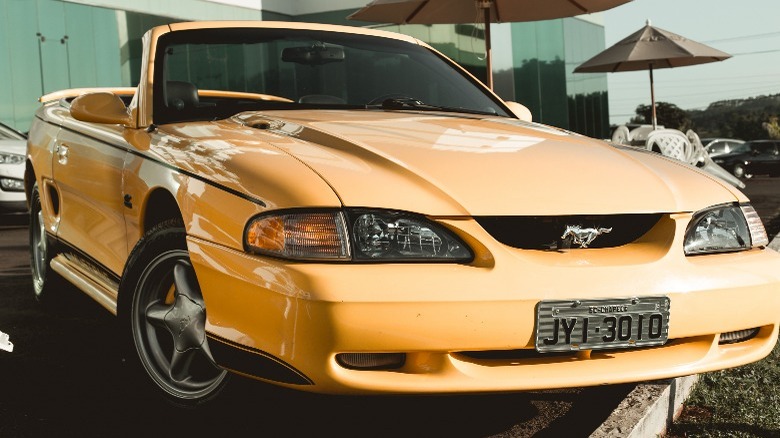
87	171
773	165
764	158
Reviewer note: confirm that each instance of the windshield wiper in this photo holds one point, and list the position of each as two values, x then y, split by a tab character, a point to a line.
410	103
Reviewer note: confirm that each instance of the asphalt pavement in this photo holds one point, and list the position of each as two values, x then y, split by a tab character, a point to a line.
68	375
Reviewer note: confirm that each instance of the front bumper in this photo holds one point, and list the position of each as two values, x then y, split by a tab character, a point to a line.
300	316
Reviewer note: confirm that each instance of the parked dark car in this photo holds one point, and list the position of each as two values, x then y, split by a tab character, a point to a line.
757	157
720	146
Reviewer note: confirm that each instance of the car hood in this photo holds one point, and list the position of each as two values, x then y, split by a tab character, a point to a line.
18	147
452	165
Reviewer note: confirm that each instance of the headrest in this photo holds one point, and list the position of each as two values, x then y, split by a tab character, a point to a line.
180	95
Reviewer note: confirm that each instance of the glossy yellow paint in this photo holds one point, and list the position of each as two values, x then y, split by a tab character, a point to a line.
307	313
73	92
100	107
449	168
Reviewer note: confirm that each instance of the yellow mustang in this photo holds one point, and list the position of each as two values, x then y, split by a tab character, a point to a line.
342	210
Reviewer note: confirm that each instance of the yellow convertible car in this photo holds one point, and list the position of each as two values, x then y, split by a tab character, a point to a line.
347	211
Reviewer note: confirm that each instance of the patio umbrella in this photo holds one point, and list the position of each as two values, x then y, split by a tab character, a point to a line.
651	48
474	11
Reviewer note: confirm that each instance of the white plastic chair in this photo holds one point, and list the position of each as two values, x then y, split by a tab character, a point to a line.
621	135
671	143
697	158
638	135
703	160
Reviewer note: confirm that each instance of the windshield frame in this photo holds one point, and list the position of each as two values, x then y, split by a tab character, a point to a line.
162	114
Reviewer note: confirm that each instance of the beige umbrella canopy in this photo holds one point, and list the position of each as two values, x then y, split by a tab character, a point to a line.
651	48
474	11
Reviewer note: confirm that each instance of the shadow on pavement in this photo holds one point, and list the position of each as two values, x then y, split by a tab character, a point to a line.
14	220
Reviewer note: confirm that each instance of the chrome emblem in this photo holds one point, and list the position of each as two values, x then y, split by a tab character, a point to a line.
583	236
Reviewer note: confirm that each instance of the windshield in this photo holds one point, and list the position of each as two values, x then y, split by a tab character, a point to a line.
8	133
215	73
741	149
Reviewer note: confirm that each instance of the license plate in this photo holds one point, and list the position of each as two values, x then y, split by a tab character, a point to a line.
571	325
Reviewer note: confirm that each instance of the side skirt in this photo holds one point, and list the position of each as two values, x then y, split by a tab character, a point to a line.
87	275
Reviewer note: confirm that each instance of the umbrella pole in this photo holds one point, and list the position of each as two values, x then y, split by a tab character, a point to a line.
652	98
488	54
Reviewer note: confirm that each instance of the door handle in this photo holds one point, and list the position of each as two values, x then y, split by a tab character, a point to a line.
62	153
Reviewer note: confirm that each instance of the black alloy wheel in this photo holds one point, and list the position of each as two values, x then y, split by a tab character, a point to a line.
168	318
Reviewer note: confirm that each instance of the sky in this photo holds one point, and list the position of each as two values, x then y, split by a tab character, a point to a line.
749	30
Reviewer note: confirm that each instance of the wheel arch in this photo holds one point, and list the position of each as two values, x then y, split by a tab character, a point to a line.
159	206
29	179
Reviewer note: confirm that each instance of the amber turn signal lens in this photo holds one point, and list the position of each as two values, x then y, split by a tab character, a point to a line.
304	236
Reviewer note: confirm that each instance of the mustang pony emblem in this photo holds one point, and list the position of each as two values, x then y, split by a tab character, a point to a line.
583	236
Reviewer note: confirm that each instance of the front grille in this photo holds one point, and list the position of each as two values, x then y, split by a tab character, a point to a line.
522	354
545	232
738	336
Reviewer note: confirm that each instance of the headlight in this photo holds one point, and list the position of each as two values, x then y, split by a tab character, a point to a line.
12	184
6	158
393	236
725	228
358	235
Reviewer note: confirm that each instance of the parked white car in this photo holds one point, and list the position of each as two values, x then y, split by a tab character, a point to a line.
12	149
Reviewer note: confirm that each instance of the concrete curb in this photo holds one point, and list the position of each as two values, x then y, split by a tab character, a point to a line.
652	407
648	410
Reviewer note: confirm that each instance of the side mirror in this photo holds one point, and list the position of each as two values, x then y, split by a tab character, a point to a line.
519	110
100	107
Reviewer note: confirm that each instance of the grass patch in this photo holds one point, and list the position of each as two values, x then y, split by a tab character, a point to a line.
740	402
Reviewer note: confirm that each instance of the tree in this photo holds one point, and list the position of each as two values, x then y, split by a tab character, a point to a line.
772	127
667	114
749	119
748	125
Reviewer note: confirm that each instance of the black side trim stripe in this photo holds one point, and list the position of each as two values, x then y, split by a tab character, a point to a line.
164	164
254	362
64	247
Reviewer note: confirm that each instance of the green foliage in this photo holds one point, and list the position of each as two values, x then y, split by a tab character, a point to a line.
739	402
667	115
773	127
747	119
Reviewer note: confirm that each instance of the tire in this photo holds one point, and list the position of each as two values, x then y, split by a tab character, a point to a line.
739	172
45	281
167	317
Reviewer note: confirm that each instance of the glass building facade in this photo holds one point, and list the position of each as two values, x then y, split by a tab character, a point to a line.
48	45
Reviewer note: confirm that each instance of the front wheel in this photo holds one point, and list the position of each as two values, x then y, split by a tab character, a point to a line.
168	318
741	172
